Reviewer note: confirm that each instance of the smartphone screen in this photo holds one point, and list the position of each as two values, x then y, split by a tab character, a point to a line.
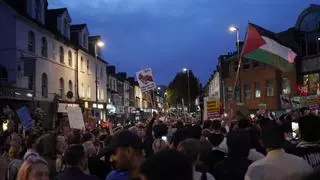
164	138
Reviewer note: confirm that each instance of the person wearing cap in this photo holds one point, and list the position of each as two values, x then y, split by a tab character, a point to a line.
127	152
277	164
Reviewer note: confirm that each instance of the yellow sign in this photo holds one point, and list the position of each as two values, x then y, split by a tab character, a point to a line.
213	105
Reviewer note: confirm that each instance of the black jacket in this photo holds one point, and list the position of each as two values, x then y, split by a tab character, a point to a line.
74	173
231	169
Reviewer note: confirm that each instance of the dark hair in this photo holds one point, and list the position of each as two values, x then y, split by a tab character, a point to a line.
207	124
243	123
309	128
31	140
160	130
168	165
191	148
74	155
238	142
216	125
216	139
272	135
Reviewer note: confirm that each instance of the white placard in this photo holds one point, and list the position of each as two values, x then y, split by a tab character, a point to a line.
145	80
75	117
62	107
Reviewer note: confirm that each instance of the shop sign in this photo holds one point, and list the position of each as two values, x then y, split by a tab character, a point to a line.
98	106
62	107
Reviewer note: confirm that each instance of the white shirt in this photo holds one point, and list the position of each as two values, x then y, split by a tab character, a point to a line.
197	176
278	165
254	155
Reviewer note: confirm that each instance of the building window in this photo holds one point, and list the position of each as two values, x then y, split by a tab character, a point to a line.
235	66
269	88
3	74
257	91
70	58
61	54
31	42
255	64
82	90
38	10
285	84
70	86
89	92
66	27
81	64
88	66
312	81
246	65
44	85
61	89
238	92
101	73
85	40
44	47
247	91
101	94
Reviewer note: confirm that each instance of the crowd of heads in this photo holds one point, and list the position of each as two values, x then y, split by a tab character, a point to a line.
175	148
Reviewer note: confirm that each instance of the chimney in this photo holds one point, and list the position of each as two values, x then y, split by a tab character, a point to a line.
122	76
111	70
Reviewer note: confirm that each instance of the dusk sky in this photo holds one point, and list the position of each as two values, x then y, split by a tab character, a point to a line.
168	35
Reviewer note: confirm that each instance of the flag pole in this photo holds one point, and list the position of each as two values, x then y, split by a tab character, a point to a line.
238	72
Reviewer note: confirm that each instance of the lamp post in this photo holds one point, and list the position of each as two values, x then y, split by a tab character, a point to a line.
236	29
98	44
185	70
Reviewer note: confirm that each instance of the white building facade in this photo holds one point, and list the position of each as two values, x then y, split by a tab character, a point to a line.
40	57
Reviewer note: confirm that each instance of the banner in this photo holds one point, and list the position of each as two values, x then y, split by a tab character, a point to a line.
313	102
285	102
75	118
211	108
262	108
145	80
25	118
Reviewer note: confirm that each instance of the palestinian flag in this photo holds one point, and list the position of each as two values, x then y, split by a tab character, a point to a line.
261	45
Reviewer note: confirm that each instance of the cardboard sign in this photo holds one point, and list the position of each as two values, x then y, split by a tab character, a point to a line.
75	118
25	118
145	80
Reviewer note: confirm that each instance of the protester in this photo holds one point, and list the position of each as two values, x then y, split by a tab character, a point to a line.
46	148
127	150
34	169
77	165
167	165
159	145
277	164
235	165
96	166
191	148
309	147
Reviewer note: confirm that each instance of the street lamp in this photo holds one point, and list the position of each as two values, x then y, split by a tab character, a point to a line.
233	28
185	70
159	88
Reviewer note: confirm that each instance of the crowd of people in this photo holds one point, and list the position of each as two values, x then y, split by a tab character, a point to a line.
169	149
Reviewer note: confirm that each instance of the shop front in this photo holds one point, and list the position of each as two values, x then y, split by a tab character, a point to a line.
62	113
93	113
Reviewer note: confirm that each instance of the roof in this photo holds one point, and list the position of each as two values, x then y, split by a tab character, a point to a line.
76	27
56	12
